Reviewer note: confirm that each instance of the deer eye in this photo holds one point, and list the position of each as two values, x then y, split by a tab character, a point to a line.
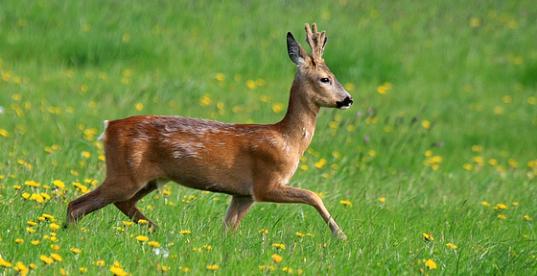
325	80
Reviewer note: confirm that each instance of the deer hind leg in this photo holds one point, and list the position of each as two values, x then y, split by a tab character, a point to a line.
112	190
128	207
285	194
237	210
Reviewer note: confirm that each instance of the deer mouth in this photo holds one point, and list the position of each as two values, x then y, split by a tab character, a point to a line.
345	104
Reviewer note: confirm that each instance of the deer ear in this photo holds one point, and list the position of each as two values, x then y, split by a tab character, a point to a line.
296	54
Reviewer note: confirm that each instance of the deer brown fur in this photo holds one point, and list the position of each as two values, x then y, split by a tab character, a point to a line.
250	162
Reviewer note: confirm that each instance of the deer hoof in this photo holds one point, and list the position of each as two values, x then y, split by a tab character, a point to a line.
340	235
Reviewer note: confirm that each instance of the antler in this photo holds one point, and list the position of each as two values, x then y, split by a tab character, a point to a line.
316	41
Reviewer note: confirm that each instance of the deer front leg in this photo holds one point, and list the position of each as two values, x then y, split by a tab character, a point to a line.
286	194
237	209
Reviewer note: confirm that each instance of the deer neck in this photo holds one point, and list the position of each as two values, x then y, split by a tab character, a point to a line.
298	125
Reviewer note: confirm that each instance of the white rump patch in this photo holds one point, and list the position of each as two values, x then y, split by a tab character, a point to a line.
103	135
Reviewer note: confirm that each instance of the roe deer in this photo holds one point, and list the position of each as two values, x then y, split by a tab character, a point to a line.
250	162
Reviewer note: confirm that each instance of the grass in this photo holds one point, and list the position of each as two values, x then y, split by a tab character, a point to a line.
450	140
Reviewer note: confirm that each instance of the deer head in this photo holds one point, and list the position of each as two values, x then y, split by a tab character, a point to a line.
319	83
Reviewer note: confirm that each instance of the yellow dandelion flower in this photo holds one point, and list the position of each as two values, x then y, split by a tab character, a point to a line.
502	216
382	200
220	106
527	218
427	236
139	107
21	268
287	269
100	263
143	221
384	88
35	242
184	269
142	238
219	77
75	250
430	264
213	267
250	84
86	154
4	263
426	124
30	230
300	234
185	232
19	241
32	183
345	202
478	160
263	231
59	184
4	133
55	247
320	164
277	107
498	110
163	268
46	259
56	257
266	268
205	100
118	271
83	269
451	246
280	246
501	206
54	226
154	244
277	258
45	196
468	167
485	203
48	217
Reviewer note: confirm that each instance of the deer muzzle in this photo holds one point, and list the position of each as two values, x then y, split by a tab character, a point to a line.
345	104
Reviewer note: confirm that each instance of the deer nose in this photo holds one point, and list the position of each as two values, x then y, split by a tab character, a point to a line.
346	103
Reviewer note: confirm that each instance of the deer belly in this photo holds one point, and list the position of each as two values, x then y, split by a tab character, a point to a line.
215	176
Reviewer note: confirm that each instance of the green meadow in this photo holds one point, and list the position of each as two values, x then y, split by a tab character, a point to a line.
432	171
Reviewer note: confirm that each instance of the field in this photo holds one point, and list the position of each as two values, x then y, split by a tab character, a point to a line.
432	171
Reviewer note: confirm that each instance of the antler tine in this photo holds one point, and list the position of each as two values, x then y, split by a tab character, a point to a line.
309	36
315	40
